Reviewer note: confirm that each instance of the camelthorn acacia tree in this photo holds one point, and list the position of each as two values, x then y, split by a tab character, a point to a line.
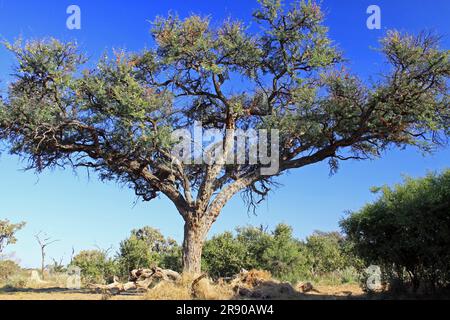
116	118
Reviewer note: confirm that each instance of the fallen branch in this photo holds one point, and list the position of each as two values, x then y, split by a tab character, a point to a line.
140	280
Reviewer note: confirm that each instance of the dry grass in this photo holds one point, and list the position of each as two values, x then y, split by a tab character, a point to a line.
252	278
254	284
206	290
31	279
184	289
259	284
171	291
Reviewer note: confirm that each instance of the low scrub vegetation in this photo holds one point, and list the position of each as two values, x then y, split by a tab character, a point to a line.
8	268
95	266
322	257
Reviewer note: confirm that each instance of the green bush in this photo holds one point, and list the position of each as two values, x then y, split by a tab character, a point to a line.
95	265
326	253
224	255
407	232
254	248
285	257
256	241
134	254
147	247
349	275
171	259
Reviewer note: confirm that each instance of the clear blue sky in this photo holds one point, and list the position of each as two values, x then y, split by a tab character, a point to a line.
84	213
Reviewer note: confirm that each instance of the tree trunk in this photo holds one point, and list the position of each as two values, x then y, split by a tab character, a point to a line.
194	236
43	263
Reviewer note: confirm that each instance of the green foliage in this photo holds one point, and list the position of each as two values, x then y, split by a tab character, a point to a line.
256	241
279	252
326	252
134	254
155	240
407	232
7	233
95	265
114	116
285	257
8	268
172	259
223	255
147	247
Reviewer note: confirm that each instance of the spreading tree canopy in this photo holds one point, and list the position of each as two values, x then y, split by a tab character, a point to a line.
117	118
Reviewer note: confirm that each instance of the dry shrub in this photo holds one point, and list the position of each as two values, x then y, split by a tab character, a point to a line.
8	268
252	278
15	282
56	280
165	290
253	284
259	284
205	289
19	280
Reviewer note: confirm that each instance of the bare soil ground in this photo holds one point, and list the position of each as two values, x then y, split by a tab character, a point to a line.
336	292
59	294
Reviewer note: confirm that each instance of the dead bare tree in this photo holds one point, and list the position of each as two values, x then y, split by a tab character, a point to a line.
44	241
72	255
